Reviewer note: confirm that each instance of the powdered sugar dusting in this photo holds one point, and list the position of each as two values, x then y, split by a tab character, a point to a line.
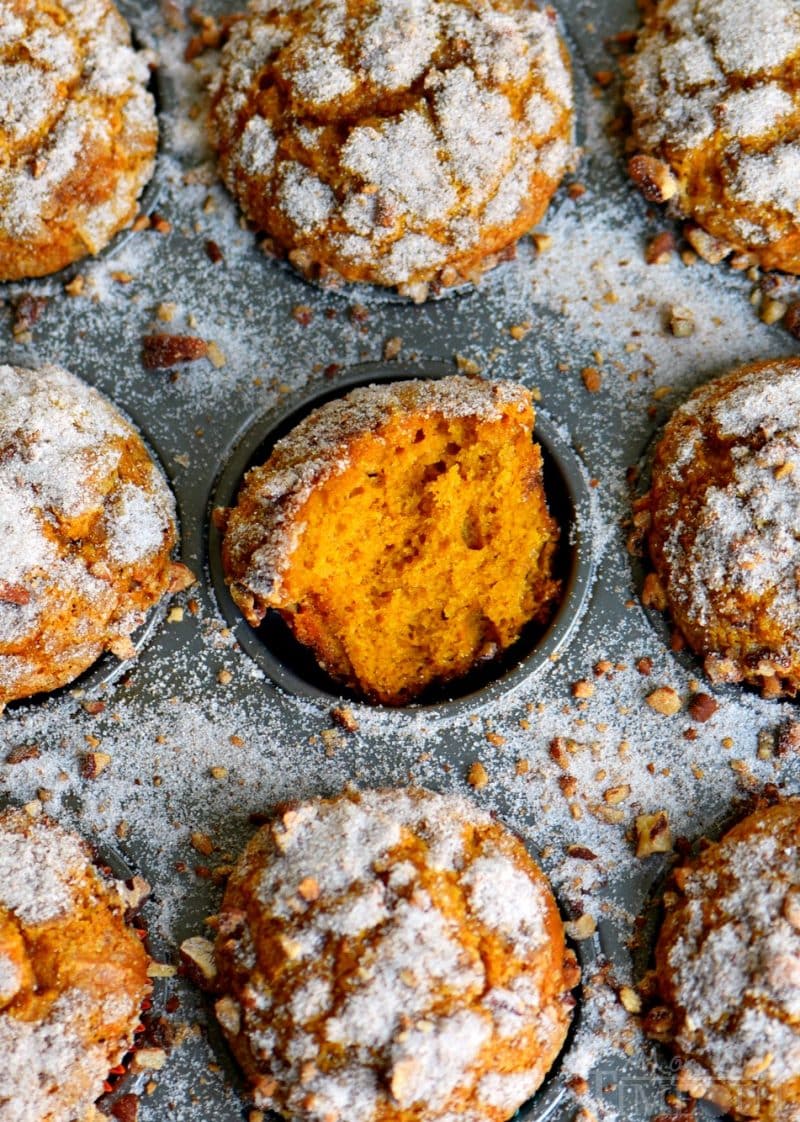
437	1057
381	157
752	113
745	524
10	978
44	1050
506	900
770	179
40	867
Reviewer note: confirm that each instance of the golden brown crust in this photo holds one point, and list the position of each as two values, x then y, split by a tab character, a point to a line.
73	975
715	94
78	136
374	966
402	531
88	521
724	507
398	144
728	967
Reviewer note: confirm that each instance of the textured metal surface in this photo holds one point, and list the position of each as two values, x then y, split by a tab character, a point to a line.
590	302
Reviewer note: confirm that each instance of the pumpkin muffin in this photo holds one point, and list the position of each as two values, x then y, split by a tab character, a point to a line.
724	534
73	975
728	968
78	132
391	956
405	144
87	523
714	88
401	531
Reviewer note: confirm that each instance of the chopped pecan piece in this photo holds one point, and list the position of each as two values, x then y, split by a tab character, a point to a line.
161	351
653	178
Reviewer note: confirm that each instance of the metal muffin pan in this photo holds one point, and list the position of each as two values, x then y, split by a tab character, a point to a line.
197	698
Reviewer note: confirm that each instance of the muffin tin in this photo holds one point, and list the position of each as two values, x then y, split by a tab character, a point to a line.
207	693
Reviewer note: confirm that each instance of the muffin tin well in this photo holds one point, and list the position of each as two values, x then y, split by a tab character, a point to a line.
294	669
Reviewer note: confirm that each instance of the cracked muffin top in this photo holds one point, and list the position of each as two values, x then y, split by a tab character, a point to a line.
724	530
78	132
73	975
392	956
714	88
404	144
88	526
728	966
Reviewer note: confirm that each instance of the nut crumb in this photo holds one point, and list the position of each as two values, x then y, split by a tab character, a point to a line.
345	718
630	1000
202	843
592	379
653	834
681	322
161	351
94	763
660	250
467	366
664	700
477	776
702	707
653	178
392	348
582	928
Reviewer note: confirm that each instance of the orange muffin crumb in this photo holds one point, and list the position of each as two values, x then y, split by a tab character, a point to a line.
402	532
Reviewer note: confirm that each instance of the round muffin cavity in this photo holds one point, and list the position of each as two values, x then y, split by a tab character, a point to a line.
78	132
401	531
405	144
88	528
714	87
73	976
724	535
728	967
392	956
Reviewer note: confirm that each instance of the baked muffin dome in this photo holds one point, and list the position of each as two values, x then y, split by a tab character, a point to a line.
73	976
88	527
724	537
714	87
400	143
391	956
401	531
728	966
78	132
